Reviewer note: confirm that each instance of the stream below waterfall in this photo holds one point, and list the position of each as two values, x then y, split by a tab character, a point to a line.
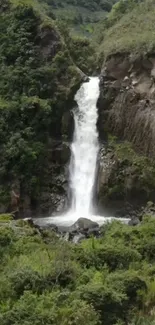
84	154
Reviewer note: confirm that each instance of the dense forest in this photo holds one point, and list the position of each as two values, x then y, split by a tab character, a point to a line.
44	279
40	72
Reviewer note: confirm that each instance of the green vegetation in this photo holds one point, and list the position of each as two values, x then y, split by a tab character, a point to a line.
81	49
38	78
134	177
80	15
122	31
106	281
43	279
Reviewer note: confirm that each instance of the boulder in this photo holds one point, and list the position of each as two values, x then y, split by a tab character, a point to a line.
134	221
84	224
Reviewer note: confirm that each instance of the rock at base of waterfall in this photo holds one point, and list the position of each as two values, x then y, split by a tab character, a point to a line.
41	225
84	224
78	238
134	221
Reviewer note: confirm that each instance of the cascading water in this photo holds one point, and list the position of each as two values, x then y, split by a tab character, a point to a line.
83	162
84	149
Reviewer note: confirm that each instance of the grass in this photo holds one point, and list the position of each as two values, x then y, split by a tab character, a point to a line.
134	32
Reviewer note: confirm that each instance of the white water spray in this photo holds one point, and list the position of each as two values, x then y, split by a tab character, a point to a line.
84	149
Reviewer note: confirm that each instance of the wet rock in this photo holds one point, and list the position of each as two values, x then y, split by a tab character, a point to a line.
78	238
84	224
48	226
94	232
67	236
60	154
67	125
134	221
30	222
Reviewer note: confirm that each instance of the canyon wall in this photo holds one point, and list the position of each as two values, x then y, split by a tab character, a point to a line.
127	112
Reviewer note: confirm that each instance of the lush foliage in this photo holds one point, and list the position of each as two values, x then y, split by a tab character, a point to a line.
37	76
81	15
108	281
122	30
81	49
134	177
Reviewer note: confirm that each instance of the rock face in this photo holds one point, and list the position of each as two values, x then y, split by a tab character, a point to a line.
127	110
118	191
127	101
126	181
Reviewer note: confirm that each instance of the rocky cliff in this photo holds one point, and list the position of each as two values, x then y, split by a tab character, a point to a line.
126	111
127	107
127	101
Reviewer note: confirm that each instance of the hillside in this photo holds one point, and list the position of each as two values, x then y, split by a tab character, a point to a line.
81	15
126	104
37	89
129	28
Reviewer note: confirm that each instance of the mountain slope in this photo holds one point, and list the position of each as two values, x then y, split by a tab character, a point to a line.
129	31
80	15
36	90
126	104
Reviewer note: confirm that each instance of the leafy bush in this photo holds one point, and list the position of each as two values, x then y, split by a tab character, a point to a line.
5	218
109	303
52	308
101	281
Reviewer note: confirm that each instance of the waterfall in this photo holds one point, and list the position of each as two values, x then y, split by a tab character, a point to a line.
84	149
